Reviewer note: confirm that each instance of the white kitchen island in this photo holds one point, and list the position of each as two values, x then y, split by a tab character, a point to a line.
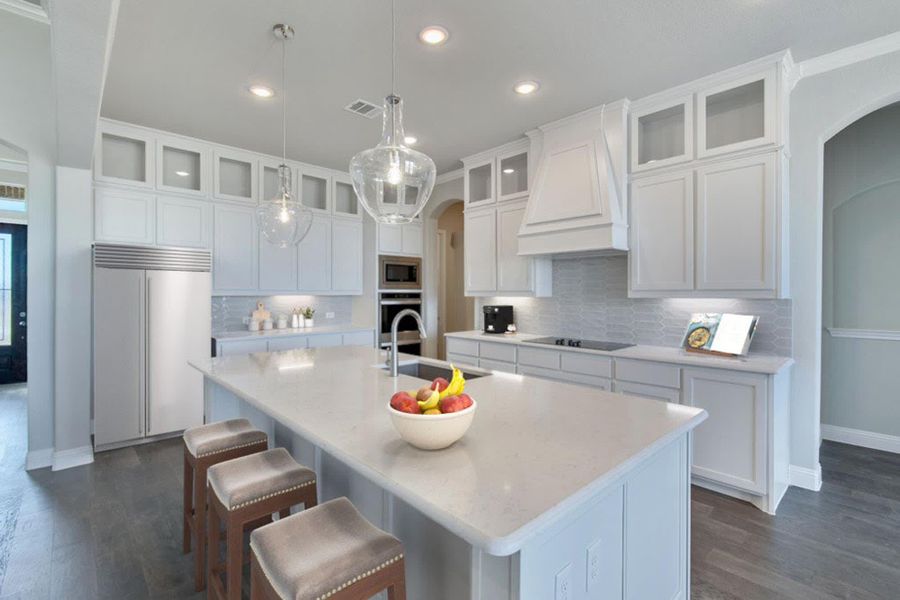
556	491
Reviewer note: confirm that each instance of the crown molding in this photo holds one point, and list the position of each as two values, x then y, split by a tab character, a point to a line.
25	9
448	176
849	55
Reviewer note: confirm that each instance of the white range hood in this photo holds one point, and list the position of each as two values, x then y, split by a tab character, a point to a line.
579	204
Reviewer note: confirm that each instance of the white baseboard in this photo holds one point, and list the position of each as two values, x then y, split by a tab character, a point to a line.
809	479
39	459
858	437
74	457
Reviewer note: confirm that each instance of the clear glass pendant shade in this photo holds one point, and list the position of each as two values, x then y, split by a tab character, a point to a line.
392	181
282	220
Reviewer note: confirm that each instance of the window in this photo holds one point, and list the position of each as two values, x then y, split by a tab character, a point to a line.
6	251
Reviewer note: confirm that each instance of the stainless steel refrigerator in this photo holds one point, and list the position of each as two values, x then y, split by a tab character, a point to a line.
152	314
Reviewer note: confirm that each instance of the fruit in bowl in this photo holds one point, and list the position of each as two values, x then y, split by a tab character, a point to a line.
434	416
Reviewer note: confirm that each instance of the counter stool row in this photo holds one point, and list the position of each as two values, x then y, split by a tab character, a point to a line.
330	551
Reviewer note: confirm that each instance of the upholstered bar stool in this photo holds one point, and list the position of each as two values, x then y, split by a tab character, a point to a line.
328	552
205	446
244	493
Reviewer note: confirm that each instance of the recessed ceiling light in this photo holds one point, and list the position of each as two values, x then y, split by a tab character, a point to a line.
263	91
526	87
434	35
182	173
410	140
508	171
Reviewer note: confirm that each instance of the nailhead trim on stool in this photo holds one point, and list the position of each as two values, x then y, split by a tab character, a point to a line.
350	582
272	495
205	454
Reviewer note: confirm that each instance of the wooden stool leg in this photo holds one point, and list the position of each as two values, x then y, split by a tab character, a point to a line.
397	589
200	528
234	564
213	547
284	513
188	485
256	582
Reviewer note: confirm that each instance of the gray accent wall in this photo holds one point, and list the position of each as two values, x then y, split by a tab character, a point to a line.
228	312
590	300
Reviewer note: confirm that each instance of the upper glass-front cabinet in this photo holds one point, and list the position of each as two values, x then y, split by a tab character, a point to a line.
345	201
479	181
235	176
513	175
315	189
125	156
662	134
182	166
736	116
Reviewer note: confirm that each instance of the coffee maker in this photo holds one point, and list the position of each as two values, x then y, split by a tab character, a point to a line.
498	318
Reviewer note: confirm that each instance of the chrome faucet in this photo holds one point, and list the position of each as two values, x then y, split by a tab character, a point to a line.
392	354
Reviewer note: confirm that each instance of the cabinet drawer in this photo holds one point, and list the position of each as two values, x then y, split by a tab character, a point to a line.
601	383
587	364
459	360
291	343
359	338
504	352
639	371
460	346
538	357
497	365
644	390
324	340
242	347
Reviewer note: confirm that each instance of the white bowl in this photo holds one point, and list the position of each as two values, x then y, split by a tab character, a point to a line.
432	432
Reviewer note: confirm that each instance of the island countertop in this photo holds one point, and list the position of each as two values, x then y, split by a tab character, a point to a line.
536	450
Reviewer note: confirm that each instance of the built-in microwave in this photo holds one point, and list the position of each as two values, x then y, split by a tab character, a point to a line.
400	273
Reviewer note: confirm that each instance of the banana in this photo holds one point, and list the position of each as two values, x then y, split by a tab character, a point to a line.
431	403
457	384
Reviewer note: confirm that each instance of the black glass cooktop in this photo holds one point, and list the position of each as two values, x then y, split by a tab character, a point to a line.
576	343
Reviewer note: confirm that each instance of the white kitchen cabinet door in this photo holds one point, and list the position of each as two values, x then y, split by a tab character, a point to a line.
481	251
124	217
736	223
514	273
479	183
288	343
359	338
643	390
182	166
326	340
737	115
346	256
315	257
662	233
183	222
235	249
241	347
662	133
390	239
124	155
235	176
730	446
277	267
411	239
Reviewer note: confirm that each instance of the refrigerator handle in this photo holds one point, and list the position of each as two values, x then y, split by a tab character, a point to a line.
147	373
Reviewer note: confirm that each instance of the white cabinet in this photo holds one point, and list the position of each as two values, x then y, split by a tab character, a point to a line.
736	223
403	240
644	390
287	343
479	182
514	273
277	267
480	232
182	166
412	239
183	222
359	338
662	133
125	155
239	347
738	114
315	189
234	176
662	233
730	447
124	217
346	204
346	256
315	257
235	249
326	340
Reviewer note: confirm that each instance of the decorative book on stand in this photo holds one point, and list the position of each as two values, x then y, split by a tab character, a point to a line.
723	334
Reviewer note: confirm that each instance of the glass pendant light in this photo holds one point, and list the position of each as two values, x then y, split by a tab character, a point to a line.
392	181
281	219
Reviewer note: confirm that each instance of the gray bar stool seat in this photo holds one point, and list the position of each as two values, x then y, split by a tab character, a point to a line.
205	446
244	493
328	552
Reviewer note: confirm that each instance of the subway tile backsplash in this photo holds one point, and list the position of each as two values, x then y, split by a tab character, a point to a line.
590	300
228	312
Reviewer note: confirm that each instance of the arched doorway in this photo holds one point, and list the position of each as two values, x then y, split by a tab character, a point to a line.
455	312
861	282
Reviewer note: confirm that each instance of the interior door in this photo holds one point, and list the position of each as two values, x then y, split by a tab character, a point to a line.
13	303
178	330
118	355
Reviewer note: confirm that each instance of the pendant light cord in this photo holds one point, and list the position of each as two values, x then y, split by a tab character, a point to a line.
393	47
283	98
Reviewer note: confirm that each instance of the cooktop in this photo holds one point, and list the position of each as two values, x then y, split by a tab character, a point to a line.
576	343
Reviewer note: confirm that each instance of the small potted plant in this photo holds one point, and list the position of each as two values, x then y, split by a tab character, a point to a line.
308	313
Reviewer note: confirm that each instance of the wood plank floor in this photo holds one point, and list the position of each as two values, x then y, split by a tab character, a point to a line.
112	529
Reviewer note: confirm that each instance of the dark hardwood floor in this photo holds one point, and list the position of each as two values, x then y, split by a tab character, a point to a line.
112	529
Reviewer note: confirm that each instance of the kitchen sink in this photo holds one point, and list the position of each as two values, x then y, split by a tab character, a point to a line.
429	372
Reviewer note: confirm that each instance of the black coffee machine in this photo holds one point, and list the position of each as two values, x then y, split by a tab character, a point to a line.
497	319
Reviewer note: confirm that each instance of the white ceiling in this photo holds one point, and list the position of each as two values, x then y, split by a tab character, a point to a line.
184	66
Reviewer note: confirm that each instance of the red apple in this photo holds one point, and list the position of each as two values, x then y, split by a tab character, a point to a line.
403	402
452	404
467	400
440	384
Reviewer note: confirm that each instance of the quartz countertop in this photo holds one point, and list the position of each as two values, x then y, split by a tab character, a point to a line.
232	336
752	363
536	450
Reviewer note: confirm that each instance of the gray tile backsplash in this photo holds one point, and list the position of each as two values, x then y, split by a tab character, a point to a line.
228	312
590	300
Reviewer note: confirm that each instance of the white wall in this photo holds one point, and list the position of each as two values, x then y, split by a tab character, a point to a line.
27	121
821	105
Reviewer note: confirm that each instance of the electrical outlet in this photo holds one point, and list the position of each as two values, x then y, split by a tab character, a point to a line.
594	565
564	583
245	320
329	315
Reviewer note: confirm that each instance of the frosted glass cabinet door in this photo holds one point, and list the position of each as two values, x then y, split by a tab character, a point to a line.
235	249
124	155
738	115
124	217
315	257
315	189
514	272
234	176
346	203
346	256
182	166
662	134
513	175
662	233
481	251
479	182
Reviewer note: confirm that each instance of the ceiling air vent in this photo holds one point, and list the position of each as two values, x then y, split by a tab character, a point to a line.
363	108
